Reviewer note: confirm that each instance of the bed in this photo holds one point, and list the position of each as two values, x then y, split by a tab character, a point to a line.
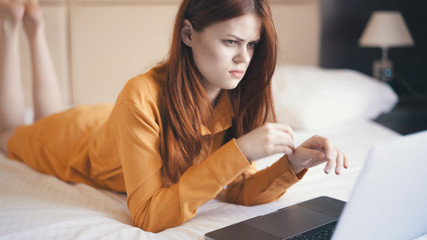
38	206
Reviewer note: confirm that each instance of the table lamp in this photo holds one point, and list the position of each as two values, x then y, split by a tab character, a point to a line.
385	29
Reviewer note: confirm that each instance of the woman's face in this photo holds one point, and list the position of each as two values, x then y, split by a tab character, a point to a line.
222	51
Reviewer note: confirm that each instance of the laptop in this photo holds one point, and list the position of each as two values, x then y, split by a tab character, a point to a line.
389	201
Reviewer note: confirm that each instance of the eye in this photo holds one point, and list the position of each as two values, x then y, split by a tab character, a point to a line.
230	43
253	45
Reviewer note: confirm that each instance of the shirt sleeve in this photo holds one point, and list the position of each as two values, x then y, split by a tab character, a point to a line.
264	186
154	207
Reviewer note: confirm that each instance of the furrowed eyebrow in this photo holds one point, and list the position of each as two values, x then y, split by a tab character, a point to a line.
236	37
241	39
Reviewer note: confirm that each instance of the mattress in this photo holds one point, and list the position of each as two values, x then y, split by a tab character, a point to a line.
38	206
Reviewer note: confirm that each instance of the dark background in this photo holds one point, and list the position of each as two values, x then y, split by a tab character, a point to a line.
343	22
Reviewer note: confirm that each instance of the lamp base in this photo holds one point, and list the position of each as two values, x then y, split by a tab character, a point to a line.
383	70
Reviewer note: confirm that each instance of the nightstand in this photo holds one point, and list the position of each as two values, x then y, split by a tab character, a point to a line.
408	116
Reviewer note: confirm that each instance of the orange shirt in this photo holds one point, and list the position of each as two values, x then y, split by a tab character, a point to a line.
119	149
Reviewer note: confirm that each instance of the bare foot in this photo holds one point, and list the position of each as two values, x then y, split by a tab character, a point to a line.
11	13
33	17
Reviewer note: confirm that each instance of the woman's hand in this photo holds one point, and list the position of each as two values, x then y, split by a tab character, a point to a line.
315	151
270	138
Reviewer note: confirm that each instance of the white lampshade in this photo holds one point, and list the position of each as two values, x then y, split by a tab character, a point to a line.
386	29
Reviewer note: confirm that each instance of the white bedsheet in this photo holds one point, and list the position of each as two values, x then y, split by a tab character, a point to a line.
38	206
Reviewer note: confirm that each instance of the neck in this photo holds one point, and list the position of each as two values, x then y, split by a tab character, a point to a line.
213	96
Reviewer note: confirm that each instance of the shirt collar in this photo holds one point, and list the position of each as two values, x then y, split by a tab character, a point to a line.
223	115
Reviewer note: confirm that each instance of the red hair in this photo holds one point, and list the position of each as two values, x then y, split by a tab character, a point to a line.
187	106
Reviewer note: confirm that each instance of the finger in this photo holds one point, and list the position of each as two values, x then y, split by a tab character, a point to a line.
330	151
331	156
287	129
288	151
285	138
340	160
345	161
328	166
283	149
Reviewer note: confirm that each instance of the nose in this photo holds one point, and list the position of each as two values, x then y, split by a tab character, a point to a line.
243	55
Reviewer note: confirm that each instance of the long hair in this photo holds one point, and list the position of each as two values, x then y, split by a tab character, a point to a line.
186	103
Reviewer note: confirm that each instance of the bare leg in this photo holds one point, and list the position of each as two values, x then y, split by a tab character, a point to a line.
11	93
47	95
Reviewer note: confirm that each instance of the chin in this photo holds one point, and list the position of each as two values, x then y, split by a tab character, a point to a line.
232	85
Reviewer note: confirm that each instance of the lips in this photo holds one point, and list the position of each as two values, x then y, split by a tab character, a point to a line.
237	73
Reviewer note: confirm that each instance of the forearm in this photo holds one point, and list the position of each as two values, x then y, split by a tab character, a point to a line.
170	206
264	186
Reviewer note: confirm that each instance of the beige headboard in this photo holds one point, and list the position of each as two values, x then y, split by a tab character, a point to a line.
97	45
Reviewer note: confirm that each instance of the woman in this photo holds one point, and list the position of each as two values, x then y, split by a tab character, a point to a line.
183	133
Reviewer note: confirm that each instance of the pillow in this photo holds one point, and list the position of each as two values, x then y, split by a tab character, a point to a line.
313	98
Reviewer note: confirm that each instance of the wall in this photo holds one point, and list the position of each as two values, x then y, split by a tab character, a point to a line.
343	23
97	45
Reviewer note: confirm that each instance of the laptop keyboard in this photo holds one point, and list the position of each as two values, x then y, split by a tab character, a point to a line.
320	233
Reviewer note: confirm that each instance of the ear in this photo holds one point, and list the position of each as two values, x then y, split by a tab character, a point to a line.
186	32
